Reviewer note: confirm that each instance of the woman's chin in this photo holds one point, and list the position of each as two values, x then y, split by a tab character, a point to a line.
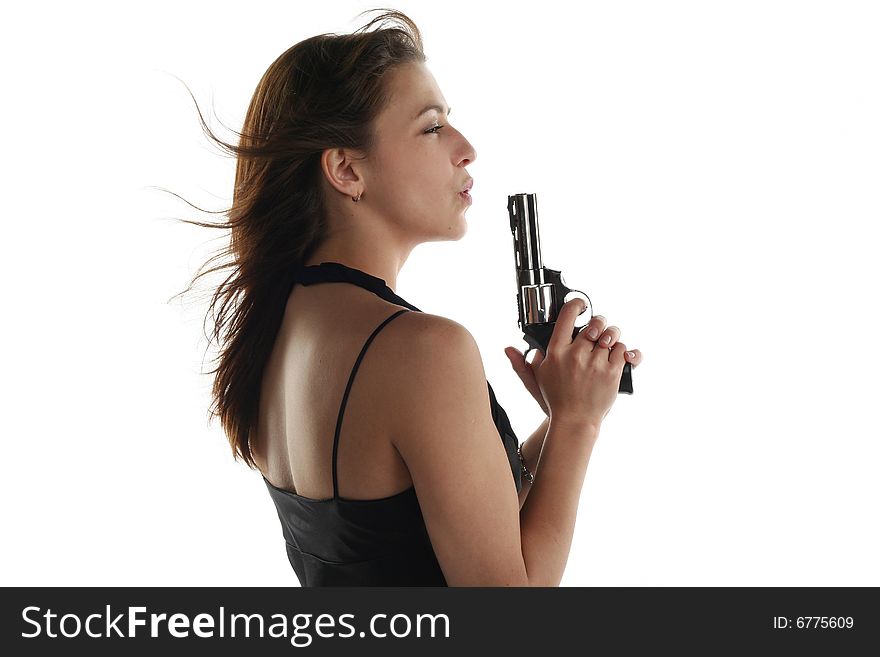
453	231
460	229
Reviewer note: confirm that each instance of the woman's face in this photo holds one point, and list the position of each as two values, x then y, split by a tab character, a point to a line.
416	171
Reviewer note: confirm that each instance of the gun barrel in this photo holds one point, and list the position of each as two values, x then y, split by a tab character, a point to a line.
523	211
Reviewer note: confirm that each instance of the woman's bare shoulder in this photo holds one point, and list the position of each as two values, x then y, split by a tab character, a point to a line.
422	329
423	355
418	341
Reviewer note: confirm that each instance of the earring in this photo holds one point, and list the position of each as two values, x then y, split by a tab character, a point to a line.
358	198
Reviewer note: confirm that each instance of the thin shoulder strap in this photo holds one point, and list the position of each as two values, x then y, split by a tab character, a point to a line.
348	389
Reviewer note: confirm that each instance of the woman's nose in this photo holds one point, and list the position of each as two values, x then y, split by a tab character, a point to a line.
469	154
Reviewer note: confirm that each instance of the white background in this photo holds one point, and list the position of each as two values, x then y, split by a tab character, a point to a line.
707	173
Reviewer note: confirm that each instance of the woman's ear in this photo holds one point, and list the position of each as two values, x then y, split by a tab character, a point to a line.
342	168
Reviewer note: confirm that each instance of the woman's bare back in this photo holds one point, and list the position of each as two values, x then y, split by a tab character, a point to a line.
324	328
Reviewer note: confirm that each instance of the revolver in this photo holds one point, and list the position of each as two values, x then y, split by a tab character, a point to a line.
540	291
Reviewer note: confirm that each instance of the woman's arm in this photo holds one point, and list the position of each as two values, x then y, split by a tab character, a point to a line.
547	520
531	451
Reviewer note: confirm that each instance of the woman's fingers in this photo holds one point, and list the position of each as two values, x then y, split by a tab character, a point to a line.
634	356
595	331
593	328
609	337
564	327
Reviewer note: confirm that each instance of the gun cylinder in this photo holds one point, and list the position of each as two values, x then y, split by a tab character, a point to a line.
537	303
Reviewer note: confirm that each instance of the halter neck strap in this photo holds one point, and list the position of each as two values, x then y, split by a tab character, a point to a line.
336	272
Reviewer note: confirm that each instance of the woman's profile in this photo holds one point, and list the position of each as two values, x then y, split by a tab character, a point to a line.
380	442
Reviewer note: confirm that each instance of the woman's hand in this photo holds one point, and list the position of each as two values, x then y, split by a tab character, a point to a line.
526	371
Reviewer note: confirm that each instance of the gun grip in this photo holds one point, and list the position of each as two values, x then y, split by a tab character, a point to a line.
626	380
538	337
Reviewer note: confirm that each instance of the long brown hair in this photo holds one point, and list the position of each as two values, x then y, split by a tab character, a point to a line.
323	92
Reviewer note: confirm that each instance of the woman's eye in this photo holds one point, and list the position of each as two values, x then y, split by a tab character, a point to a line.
433	130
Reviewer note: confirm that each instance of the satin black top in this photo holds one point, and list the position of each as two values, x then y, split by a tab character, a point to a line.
377	542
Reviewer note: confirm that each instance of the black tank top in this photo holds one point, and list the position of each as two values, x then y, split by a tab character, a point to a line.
377	542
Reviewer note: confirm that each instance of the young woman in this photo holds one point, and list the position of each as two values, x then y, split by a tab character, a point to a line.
380	441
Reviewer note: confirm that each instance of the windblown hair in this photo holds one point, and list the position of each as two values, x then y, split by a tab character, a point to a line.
324	92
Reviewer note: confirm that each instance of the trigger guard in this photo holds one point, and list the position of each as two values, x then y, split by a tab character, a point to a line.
587	309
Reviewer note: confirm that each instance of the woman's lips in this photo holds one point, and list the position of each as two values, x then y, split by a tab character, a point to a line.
466	192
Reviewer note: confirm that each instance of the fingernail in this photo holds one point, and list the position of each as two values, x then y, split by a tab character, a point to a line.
592	333
606	339
631	354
